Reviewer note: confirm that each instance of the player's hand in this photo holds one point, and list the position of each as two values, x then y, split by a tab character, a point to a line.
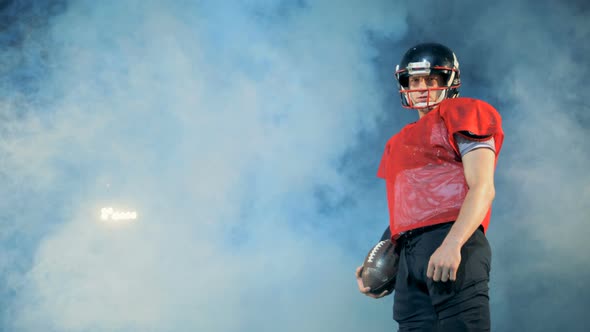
366	290
444	263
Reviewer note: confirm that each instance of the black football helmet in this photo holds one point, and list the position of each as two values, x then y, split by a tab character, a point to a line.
426	59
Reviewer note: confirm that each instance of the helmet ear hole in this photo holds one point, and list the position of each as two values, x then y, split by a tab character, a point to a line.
446	76
404	81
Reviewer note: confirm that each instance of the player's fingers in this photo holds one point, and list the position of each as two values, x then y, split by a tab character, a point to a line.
436	273
358	272
444	275
376	296
385	292
430	270
364	290
453	274
362	287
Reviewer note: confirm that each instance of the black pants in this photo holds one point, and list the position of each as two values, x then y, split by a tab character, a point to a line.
421	304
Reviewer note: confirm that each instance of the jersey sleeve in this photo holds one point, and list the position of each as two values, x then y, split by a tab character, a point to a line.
467	145
473	118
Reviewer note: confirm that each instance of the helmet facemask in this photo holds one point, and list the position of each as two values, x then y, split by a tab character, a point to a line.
409	103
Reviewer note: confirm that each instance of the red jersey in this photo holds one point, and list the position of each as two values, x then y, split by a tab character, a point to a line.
422	166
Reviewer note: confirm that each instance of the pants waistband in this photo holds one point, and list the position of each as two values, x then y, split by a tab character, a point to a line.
417	231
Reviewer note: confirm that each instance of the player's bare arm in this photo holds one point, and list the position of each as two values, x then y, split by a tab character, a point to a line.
478	167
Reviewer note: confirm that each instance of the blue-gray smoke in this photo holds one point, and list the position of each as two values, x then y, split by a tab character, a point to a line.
247	135
221	124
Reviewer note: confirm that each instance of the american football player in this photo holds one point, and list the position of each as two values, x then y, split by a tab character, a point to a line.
439	179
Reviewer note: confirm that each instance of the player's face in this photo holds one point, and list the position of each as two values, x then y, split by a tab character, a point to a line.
423	82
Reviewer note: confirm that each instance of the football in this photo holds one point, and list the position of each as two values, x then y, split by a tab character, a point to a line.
380	267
